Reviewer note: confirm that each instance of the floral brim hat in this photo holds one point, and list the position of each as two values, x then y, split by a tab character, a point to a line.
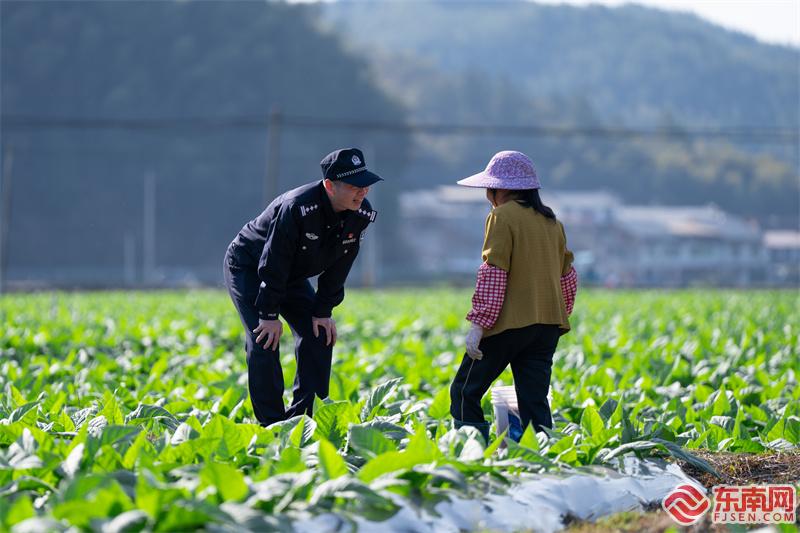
506	170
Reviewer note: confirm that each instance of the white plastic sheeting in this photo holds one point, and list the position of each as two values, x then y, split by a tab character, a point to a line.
539	503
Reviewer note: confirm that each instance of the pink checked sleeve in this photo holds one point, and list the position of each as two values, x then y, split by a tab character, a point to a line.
490	291
569	288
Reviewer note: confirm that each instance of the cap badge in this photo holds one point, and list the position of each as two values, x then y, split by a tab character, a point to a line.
356	160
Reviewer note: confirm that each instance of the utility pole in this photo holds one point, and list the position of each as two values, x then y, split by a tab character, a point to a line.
129	259
369	272
149	227
271	178
5	213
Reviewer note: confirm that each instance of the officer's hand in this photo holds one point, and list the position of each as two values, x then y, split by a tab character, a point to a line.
473	340
270	330
330	329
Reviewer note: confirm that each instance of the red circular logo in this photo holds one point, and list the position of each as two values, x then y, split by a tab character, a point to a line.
686	504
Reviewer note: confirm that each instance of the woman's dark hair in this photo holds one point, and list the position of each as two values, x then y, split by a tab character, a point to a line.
530	198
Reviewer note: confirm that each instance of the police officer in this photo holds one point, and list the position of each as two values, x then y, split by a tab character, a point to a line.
313	230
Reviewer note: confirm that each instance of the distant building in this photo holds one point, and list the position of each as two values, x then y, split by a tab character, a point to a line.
681	246
783	250
614	244
443	229
590	220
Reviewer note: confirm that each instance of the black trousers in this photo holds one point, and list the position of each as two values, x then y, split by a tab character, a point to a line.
529	351
265	375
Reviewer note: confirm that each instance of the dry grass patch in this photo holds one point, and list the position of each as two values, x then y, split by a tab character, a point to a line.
746	468
735	469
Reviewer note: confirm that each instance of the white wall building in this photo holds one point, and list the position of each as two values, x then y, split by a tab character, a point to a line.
614	244
783	250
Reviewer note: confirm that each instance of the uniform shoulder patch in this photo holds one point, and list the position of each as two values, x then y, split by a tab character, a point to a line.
307	209
369	214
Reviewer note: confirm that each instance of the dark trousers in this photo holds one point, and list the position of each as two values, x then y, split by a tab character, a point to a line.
265	376
529	351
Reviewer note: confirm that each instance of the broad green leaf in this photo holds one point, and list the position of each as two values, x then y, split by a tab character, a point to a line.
15	397
725	422
227	479
369	442
303	432
529	440
377	396
495	445
110	435
228	401
325	418
608	409
791	430
747	446
99	503
331	462
756	413
227	437
440	407
635	446
187	515
591	421
564	449
66	422
144	413
739	431
25	413
72	463
420	450
21	509
158	369
24	484
111	409
134	520
290	460
152	496
135	450
777	430
721	404
679	453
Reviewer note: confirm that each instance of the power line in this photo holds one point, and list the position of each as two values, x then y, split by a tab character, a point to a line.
758	134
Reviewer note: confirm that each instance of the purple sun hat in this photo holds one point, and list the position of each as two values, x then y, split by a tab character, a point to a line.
506	170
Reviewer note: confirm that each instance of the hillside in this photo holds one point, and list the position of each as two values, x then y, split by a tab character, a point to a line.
631	63
521	64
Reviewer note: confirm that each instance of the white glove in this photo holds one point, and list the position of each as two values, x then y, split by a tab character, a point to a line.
473	339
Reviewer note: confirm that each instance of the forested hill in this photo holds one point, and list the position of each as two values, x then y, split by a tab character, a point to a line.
80	189
631	62
161	109
583	68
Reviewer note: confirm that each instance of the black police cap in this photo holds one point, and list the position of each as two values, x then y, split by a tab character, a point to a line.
348	165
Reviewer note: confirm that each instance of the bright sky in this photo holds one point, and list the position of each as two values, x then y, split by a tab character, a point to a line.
772	21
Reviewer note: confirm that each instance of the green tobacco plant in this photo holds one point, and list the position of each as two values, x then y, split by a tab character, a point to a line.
130	410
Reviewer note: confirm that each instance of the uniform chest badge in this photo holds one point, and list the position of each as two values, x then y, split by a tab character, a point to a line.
312	236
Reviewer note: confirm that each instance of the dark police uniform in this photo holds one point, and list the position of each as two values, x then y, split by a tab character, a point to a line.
266	270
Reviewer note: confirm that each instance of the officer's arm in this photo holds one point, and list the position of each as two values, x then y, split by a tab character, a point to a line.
276	263
330	284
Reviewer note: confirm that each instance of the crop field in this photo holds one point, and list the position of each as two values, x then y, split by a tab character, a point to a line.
129	411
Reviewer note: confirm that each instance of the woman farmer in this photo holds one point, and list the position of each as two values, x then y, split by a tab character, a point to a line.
523	296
